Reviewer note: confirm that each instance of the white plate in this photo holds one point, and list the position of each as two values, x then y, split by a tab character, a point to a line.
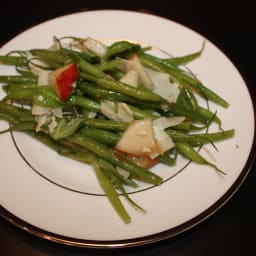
59	199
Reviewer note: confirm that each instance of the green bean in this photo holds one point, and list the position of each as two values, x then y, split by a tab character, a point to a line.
139	113
157	64
102	136
184	126
50	56
179	110
6	88
65	128
86	55
21	94
86	113
13	60
9	119
90	56
20	114
111	64
24	126
84	102
189	152
186	58
18	86
109	84
103	152
106	166
208	93
101	93
117	182
78	155
25	72
48	141
115	73
198	139
90	69
119	185
63	148
109	125
166	159
46	96
139	172
208	114
111	193
17	79
189	98
122	49
48	64
217	136
186	105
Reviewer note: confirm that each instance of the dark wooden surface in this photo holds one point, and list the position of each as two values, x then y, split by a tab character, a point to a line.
231	26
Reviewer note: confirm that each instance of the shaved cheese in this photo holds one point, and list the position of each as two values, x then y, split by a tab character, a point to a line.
46	116
108	109
163	86
164	141
144	77
41	120
52	123
39	110
56	45
131	78
124	113
134	64
165	122
93	45
57	112
121	112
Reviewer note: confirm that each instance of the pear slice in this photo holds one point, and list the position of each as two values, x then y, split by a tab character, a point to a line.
138	139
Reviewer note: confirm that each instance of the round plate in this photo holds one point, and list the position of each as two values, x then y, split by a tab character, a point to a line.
60	200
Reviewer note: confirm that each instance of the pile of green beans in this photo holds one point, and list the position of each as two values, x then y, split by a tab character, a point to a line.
85	134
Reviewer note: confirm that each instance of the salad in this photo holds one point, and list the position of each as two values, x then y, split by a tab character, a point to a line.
116	107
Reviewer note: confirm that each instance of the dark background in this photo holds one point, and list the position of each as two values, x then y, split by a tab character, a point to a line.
229	25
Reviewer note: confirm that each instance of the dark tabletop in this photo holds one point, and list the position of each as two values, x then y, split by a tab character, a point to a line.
232	27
